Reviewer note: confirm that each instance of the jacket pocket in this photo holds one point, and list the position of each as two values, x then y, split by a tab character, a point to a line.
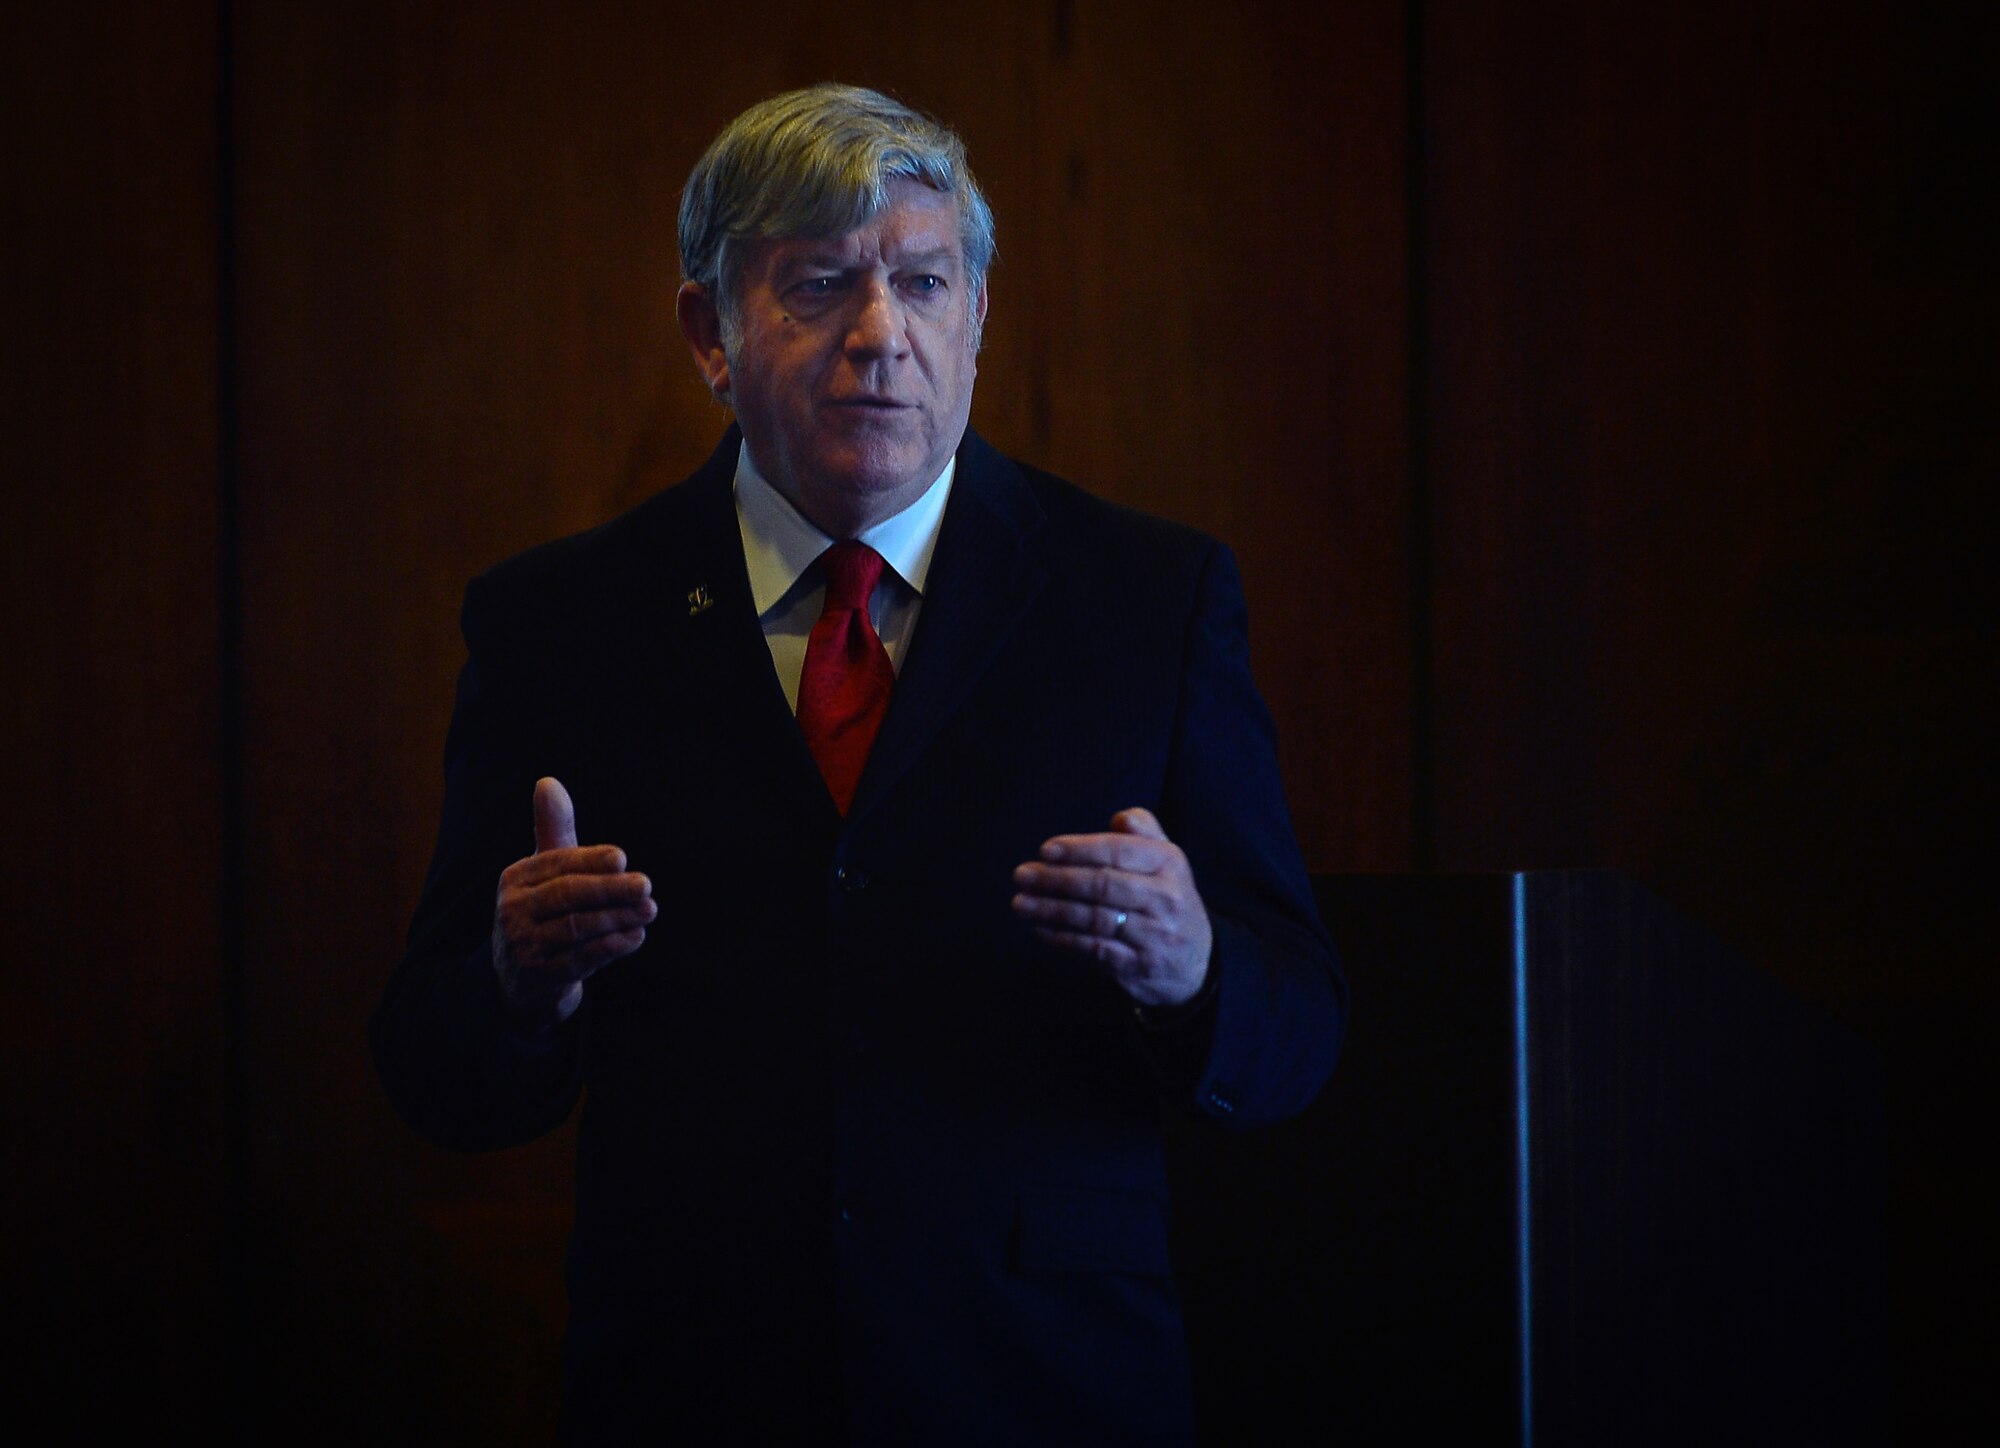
1076	1230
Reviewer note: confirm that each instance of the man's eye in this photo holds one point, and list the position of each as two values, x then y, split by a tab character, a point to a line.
925	284
815	287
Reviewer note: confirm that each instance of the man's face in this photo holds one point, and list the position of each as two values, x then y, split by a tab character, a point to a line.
852	376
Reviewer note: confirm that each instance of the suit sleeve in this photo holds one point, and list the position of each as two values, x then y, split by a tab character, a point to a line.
1264	1042
457	1066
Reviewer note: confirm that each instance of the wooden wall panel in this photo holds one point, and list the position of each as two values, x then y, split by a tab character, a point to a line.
1713	399
458	262
112	1189
1213	268
1710	400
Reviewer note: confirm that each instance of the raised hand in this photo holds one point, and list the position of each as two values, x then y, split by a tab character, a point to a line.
562	913
1125	899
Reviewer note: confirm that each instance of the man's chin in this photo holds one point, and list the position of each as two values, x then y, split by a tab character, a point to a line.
877	471
850	494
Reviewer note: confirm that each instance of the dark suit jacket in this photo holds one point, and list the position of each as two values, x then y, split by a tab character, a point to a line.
858	1159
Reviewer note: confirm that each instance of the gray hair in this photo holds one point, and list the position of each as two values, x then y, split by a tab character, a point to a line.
818	163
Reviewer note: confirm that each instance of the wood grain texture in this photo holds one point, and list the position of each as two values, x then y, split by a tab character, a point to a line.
110	1017
1712	400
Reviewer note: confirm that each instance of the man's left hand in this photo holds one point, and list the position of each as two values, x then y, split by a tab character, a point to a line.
1125	899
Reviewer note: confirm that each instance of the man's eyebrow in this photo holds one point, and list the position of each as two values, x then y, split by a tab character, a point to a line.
937	258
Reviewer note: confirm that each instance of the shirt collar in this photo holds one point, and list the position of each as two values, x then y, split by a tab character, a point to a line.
779	544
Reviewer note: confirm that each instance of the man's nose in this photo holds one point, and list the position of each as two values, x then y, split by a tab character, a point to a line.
877	328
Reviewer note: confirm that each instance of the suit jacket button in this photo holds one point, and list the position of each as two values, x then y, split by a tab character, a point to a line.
850	878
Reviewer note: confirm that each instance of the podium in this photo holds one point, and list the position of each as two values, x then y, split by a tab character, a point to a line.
1582	1177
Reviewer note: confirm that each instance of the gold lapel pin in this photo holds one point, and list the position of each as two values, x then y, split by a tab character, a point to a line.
700	600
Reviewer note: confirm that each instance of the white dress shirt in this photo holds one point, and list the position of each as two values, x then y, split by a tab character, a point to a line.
782	549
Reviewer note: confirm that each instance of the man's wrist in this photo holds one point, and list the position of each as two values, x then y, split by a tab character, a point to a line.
534	1021
1167	1017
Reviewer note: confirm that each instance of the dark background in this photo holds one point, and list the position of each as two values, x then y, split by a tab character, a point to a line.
1600	399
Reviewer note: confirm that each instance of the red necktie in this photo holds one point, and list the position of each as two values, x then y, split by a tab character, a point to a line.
844	690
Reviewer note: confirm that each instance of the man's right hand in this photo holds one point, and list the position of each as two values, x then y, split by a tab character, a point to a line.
562	913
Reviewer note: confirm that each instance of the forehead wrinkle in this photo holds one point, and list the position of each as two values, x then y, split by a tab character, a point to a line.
935	259
845	254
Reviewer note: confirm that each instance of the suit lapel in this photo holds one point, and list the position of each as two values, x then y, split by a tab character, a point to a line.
985	572
708	650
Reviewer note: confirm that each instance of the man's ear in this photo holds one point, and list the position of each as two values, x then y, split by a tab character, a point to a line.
702	326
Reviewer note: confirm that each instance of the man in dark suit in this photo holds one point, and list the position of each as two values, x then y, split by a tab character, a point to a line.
964	857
